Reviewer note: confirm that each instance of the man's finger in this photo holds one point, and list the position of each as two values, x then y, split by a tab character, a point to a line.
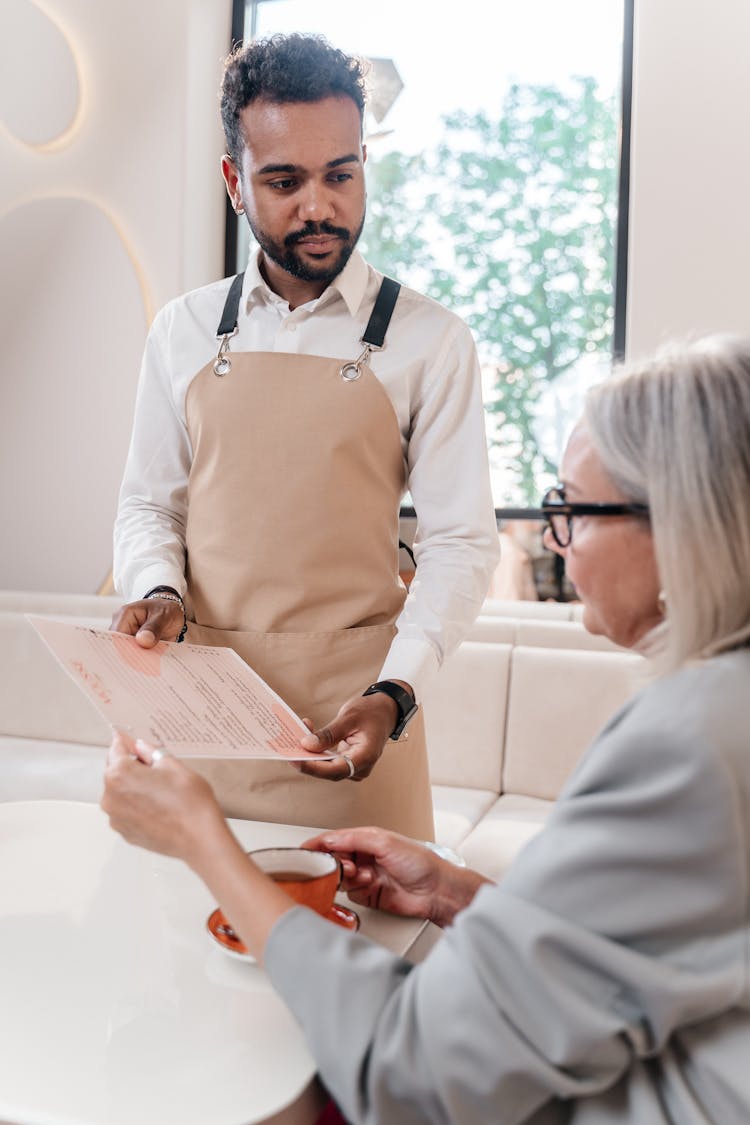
146	637
129	619
332	769
325	738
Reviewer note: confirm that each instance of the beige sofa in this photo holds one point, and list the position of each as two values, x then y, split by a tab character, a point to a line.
507	718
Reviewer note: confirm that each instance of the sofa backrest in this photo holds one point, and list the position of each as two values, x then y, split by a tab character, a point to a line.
559	700
464	712
547	611
516	718
37	698
94	606
541	632
509	715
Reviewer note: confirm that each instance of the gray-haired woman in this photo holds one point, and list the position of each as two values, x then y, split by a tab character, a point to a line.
606	979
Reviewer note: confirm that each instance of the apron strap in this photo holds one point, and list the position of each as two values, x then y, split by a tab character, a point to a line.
228	321
405	547
382	311
374	333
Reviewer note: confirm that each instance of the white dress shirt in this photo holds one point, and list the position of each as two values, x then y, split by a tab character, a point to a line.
430	371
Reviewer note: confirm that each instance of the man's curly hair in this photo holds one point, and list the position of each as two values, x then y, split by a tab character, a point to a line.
286	68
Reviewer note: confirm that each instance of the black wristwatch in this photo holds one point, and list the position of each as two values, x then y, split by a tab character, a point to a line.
404	700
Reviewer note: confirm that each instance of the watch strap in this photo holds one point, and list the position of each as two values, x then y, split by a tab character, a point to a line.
404	700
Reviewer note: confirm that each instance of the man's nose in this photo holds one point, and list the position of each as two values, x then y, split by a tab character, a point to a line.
316	203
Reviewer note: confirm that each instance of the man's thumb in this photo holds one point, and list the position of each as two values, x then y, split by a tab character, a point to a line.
325	738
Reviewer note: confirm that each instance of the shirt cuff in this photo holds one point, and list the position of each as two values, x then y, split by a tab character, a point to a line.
160	575
414	661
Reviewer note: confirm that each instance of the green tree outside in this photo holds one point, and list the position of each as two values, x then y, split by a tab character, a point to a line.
511	223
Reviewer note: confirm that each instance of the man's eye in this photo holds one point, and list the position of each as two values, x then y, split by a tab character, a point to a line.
281	185
341	177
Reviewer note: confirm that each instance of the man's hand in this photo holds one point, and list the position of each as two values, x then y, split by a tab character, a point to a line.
360	731
386	871
150	620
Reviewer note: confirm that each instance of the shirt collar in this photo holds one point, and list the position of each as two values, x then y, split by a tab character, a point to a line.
350	284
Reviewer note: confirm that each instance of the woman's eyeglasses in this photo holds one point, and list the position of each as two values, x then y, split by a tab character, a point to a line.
560	513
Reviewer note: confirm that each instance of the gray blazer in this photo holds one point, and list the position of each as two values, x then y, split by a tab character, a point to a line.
605	980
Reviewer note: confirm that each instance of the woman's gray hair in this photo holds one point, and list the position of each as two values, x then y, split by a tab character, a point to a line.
674	433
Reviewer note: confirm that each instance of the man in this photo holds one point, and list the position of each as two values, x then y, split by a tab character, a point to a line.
279	419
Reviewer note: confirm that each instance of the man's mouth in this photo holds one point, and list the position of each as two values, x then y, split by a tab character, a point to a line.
318	244
317	240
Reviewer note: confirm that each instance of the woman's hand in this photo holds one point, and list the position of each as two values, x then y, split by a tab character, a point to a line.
386	871
158	803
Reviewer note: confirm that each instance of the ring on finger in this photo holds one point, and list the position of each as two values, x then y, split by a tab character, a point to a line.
156	756
350	765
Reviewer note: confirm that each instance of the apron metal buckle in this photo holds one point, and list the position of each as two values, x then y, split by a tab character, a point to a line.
222	363
352	371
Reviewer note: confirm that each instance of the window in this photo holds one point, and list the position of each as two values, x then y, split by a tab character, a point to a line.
493	178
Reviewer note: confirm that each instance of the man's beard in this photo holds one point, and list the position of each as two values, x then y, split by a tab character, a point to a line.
284	254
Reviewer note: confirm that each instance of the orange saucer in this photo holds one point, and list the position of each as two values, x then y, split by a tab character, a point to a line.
222	932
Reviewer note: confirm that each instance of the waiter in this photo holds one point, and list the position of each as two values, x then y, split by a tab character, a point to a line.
280	417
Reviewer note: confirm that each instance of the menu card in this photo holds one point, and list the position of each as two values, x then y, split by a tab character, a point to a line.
190	700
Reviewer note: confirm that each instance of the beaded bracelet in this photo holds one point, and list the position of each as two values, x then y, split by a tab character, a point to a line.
169	595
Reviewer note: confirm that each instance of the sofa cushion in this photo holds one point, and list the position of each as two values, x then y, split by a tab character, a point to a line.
464	712
44	770
457	810
504	829
559	699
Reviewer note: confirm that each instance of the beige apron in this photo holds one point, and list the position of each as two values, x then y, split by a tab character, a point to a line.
292	560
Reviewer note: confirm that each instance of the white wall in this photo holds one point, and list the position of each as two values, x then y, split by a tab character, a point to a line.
110	203
690	188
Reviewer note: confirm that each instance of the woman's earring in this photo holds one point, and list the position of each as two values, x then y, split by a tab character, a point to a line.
661	602
239	209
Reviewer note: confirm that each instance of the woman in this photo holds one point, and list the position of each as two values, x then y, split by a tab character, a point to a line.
606	979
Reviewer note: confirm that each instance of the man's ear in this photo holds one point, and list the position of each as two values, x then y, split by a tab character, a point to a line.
232	181
364	153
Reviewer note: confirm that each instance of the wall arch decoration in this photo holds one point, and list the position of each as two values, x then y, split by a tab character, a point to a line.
32	47
72	326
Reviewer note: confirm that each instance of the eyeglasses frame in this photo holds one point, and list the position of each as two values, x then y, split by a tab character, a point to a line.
567	507
550	508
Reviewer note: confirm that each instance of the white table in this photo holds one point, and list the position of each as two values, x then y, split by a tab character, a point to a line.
116	1006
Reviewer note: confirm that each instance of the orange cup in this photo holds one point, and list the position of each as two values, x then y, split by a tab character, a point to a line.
310	878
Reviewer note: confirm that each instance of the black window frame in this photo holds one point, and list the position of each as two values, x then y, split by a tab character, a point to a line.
239	14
